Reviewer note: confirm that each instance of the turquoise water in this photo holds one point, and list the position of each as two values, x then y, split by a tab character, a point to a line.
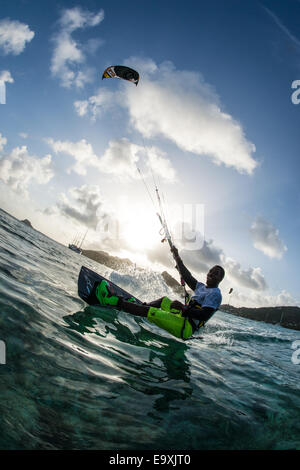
79	377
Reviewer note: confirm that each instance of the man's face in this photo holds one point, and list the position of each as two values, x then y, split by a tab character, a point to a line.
214	276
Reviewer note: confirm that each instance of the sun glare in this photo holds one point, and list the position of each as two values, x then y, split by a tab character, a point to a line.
140	233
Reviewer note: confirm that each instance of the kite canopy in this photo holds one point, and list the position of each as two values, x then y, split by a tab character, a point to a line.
120	71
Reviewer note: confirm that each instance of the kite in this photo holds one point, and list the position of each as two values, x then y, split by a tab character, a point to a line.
123	72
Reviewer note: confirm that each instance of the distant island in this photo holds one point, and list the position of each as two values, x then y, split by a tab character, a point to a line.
105	258
287	317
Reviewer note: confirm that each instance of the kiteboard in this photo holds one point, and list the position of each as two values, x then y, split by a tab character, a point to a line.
87	283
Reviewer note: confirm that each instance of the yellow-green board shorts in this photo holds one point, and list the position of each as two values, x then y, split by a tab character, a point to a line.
170	320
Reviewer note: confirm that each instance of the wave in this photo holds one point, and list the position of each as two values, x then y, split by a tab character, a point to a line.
79	377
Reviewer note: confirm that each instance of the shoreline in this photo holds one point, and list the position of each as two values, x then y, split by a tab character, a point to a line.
287	317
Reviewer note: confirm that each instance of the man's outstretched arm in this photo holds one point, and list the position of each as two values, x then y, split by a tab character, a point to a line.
184	272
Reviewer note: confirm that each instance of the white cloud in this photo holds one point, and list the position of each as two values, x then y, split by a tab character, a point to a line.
119	159
251	278
85	206
14	36
160	254
81	107
209	255
202	260
69	54
266	238
76	17
181	107
160	164
285	298
81	151
18	169
95	105
24	135
5	76
254	299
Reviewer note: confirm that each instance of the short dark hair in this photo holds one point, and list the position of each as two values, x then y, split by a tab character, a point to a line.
222	271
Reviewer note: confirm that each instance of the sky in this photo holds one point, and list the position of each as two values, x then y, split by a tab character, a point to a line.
213	124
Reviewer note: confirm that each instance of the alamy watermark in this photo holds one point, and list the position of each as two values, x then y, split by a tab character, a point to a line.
2	352
184	221
2	92
296	353
295	97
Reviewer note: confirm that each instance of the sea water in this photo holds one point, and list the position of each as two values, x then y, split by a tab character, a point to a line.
78	377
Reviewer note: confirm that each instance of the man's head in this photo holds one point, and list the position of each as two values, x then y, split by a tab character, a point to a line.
214	276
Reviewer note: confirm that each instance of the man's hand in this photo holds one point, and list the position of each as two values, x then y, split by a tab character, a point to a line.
175	251
178	305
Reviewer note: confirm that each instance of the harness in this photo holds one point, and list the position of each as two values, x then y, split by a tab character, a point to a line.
191	306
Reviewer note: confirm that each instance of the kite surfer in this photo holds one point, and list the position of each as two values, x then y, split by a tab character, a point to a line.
173	316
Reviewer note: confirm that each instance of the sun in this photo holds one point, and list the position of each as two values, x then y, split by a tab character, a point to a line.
140	233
